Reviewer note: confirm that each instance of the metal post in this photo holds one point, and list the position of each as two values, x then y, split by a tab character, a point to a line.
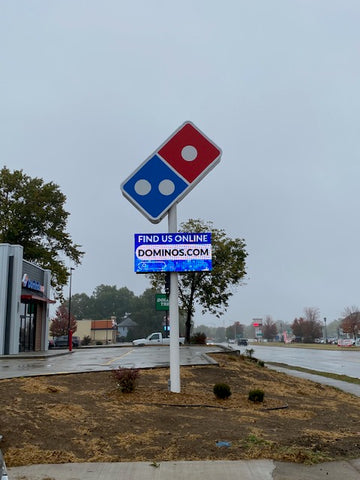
69	314
325	332
174	315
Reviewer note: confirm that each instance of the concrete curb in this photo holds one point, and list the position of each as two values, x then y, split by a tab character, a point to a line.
196	470
244	470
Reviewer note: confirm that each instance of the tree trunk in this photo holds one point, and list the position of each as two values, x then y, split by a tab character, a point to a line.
188	327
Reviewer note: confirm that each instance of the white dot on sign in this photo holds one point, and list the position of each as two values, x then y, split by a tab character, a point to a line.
189	153
166	187
142	187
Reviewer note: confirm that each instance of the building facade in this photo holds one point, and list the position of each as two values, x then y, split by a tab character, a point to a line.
24	303
104	331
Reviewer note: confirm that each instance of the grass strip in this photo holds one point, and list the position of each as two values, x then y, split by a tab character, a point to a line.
335	376
315	346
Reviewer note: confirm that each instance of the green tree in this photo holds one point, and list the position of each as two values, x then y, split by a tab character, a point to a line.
82	306
147	318
60	323
32	214
333	328
112	301
108	300
211	290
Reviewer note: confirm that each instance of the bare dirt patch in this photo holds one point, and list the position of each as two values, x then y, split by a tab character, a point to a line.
84	418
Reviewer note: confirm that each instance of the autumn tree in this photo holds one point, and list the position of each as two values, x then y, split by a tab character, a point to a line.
210	290
32	214
60	323
351	321
307	328
298	328
312	314
269	328
236	330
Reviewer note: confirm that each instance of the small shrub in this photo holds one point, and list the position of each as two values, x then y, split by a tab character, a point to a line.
86	340
198	338
126	379
261	363
249	352
98	342
222	390
256	395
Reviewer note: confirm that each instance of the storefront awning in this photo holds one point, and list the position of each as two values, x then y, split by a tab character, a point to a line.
36	298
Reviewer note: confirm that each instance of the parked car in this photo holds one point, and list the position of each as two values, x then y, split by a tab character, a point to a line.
346	342
51	343
155	338
63	341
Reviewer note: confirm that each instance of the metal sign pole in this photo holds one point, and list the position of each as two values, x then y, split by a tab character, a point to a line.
174	315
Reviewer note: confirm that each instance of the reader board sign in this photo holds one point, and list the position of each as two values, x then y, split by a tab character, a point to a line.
173	252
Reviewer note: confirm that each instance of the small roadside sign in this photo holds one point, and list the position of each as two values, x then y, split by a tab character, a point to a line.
161	302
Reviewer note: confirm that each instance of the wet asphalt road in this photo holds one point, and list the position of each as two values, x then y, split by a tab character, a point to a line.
333	361
330	361
97	359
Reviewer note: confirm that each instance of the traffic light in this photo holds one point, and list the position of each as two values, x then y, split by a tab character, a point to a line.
167	283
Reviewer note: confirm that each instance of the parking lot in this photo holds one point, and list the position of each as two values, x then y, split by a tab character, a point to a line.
57	361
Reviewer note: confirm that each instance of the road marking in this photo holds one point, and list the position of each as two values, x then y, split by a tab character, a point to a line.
117	358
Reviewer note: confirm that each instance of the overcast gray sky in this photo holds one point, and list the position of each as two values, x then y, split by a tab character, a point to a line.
89	89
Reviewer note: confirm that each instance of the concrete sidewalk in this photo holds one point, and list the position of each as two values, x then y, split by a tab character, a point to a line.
352	388
209	470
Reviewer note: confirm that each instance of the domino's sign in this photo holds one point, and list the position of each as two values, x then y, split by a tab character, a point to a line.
169	173
173	252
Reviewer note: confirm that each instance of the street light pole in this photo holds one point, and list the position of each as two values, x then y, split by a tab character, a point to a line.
325	332
69	314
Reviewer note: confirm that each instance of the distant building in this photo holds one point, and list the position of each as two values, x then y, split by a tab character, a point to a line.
124	326
104	330
83	328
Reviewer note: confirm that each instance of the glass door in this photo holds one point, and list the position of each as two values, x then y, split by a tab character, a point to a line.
27	328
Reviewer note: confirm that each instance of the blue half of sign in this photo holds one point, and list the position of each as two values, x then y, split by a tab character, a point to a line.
150	266
153	188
